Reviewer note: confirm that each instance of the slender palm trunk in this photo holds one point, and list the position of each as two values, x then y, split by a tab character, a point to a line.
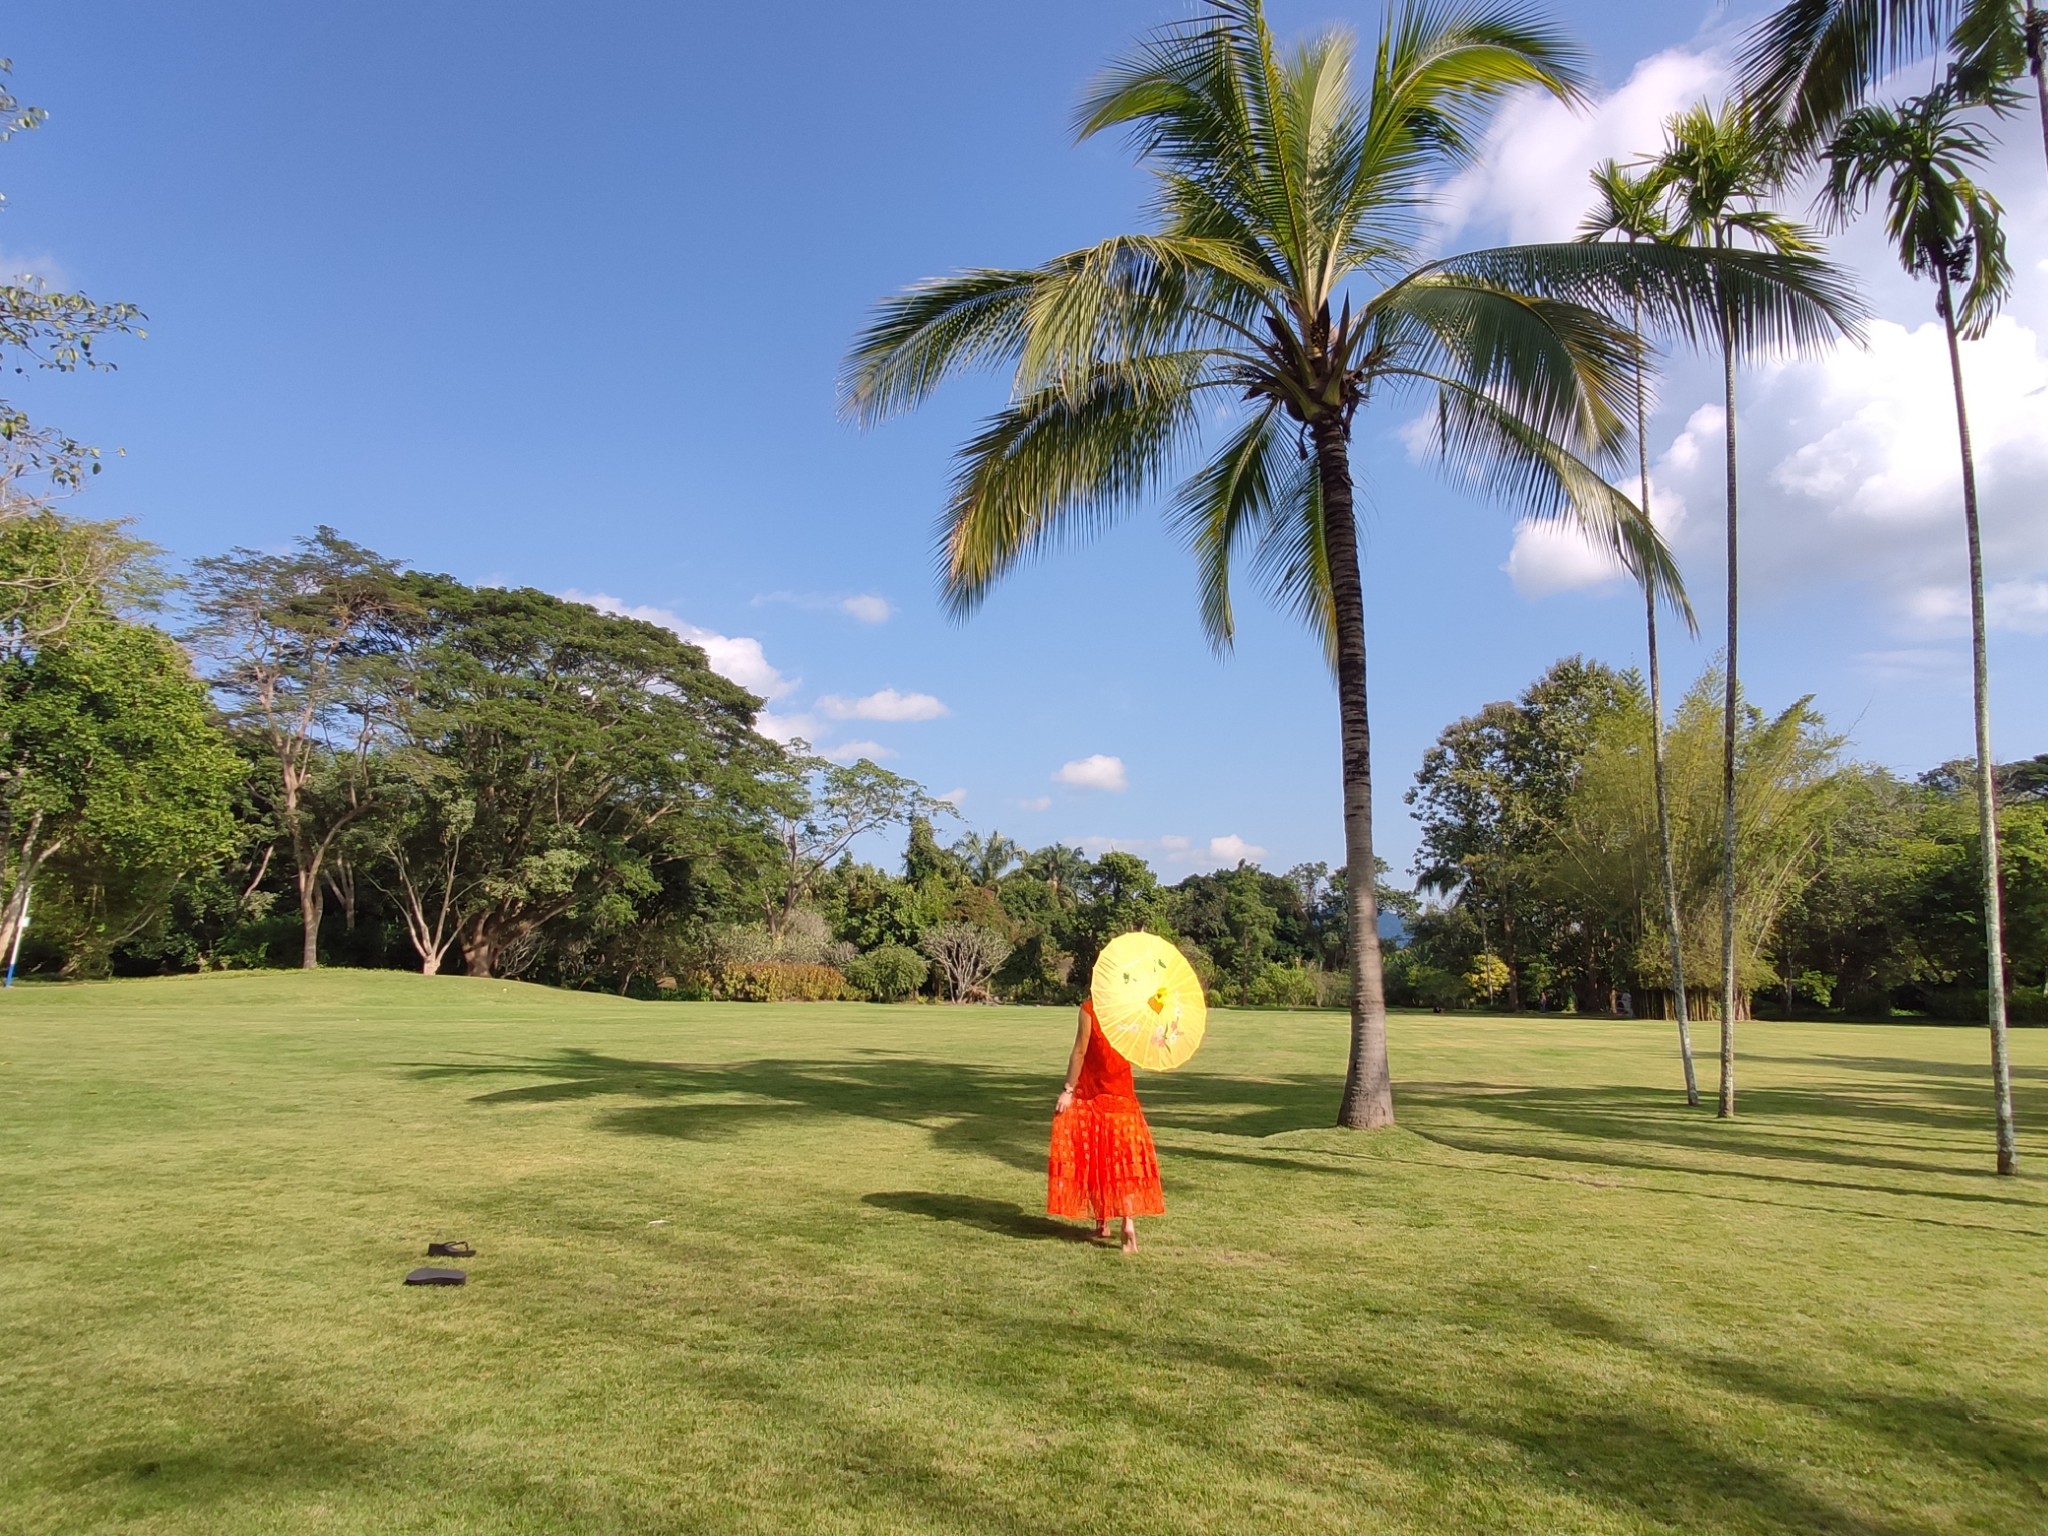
1692	1085
1368	1084
1987	790
1726	1107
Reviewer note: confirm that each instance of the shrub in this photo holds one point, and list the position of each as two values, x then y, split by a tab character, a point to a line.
777	981
889	973
1282	986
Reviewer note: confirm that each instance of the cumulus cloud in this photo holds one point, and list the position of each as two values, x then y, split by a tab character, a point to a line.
954	797
1098	771
738	657
1530	184
854	751
1182	852
887	704
1850	467
1037	803
868	607
1232	849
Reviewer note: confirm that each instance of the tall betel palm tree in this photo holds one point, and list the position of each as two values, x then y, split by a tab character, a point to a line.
1718	171
1631	206
1809	63
1284	276
1944	226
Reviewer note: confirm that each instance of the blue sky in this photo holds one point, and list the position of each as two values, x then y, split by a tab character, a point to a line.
558	299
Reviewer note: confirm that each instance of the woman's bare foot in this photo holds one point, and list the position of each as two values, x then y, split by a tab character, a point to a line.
1102	1230
1130	1235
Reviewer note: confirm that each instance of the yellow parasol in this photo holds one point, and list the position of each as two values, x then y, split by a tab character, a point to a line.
1148	1001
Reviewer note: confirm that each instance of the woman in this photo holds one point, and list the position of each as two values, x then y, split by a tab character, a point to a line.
1103	1163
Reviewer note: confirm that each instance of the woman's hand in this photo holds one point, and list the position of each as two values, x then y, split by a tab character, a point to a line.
1064	1102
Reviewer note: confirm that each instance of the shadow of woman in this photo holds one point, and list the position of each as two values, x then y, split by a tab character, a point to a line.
998	1216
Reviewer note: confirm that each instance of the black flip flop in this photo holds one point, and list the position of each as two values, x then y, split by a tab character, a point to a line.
437	1277
455	1250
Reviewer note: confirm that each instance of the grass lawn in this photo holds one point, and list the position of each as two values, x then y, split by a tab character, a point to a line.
782	1269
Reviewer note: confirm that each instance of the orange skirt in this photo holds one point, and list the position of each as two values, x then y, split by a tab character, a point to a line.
1103	1163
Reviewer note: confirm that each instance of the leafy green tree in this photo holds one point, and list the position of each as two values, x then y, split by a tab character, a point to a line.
50	330
1059	867
831	806
591	757
1288	275
1811	61
987	859
1605	840
294	642
1631	207
115	784
1719	170
1488	794
1944	226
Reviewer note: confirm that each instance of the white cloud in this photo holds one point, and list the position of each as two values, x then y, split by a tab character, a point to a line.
1850	468
1232	849
888	704
786	728
868	607
1095	772
1549	556
954	797
1531	181
1181	852
1038	803
854	751
738	657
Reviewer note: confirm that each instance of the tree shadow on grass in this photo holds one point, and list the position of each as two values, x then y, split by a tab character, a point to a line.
1004	1114
1647	1458
1633	1127
998	1216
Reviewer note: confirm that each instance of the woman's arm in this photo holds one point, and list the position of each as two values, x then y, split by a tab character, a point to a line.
1074	1058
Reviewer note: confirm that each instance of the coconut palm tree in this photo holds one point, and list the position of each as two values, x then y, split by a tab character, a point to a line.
1944	226
1285	278
1809	63
1630	206
1718	171
987	859
1059	865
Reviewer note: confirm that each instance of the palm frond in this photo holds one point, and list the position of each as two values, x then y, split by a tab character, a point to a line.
1062	463
1486	444
1809	63
931	330
1778	303
1562	367
1254	480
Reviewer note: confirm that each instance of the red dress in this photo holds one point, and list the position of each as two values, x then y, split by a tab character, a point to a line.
1103	1163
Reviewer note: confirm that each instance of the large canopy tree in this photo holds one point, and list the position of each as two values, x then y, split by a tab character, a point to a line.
1944	226
1286	276
571	759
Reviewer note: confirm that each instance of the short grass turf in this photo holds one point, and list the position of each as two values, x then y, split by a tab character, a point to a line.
784	1269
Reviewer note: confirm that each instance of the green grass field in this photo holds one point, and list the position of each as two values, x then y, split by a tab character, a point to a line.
782	1269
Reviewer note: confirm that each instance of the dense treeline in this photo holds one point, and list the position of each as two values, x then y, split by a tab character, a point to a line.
1860	892
338	760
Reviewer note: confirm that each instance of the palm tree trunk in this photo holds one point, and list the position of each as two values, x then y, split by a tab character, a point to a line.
1692	1084
1368	1083
1726	1107
1987	789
